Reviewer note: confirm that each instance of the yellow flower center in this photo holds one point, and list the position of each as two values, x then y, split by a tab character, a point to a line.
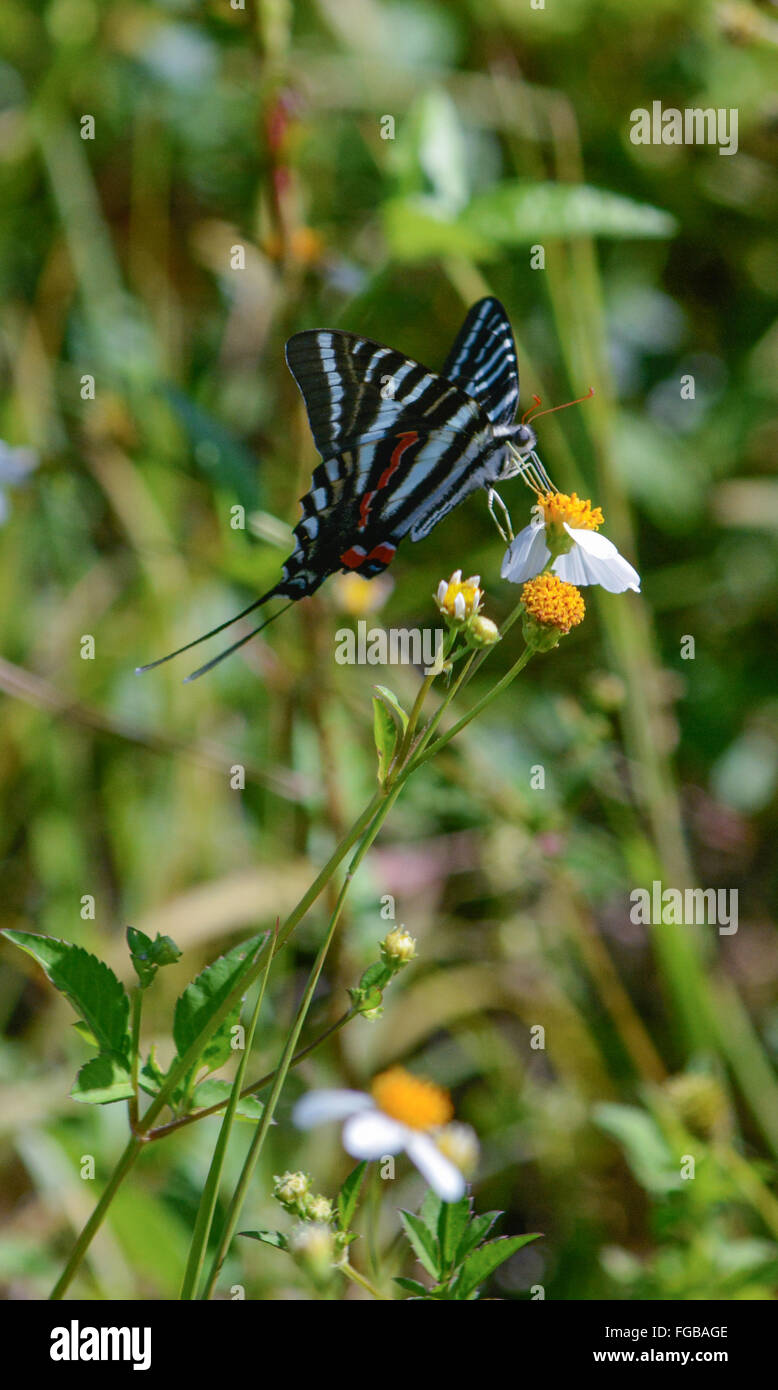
553	602
559	507
472	595
412	1101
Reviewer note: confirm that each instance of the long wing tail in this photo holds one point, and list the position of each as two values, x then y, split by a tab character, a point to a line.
271	593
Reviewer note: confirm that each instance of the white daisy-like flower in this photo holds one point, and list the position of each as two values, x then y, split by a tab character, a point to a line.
401	1115
566	527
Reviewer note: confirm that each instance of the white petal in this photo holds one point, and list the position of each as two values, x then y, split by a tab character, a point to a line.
459	607
318	1106
595	560
526	555
372	1135
441	1174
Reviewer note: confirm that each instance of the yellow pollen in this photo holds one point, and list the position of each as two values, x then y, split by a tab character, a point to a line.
580	514
412	1101
554	602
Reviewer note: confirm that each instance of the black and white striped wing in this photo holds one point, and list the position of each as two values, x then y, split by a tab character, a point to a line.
483	361
356	391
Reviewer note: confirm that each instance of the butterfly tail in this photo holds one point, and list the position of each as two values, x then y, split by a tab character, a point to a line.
276	591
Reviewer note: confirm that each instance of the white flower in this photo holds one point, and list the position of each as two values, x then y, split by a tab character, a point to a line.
593	559
400	1116
581	554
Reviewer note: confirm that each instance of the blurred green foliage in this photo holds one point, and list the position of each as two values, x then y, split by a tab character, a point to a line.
263	127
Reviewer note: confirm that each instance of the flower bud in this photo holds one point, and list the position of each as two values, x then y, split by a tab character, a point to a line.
318	1208
397	948
291	1190
313	1246
483	632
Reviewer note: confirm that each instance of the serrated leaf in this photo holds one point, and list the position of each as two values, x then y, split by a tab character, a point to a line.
412	1286
519	213
477	1230
452	1222
385	735
213	1091
482	1262
274	1238
348	1195
392	703
89	984
423	1242
204	996
430	1212
102	1080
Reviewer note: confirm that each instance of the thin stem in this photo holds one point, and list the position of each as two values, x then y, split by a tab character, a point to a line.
263	1127
163	1130
207	1207
429	752
95	1221
353	1274
137	1006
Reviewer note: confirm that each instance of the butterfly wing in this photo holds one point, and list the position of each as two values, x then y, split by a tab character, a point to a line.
356	391
483	361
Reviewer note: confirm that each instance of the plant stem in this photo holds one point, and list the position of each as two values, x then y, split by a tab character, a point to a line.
353	1274
263	1127
163	1130
207	1205
134	1146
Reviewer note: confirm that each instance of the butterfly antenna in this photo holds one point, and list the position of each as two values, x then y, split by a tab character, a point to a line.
188	645
536	414
241	642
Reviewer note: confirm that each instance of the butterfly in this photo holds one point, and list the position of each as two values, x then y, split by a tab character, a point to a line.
401	446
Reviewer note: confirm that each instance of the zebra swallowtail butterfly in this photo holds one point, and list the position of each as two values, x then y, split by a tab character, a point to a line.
401	446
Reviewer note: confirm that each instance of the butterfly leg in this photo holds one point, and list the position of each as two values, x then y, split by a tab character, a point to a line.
493	497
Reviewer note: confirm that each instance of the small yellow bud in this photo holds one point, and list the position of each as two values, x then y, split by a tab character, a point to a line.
483	632
319	1209
398	947
291	1188
458	599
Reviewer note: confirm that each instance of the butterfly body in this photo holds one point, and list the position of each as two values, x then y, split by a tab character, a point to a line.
400	445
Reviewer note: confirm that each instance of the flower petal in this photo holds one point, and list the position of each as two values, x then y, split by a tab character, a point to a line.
526	555
318	1106
595	560
372	1135
441	1174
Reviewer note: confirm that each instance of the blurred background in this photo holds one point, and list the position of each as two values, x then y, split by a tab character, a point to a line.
384	165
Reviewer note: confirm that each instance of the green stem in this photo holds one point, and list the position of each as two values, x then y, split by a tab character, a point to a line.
95	1221
284	1065
429	752
207	1207
163	1130
137	1006
357	1278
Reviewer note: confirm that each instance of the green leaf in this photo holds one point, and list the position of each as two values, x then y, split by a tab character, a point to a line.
477	1230
90	985
274	1238
102	1080
214	1091
385	734
147	955
418	229
85	1032
203	997
520	213
430	1212
349	1195
644	1146
412	1286
452	1223
423	1242
483	1262
392	703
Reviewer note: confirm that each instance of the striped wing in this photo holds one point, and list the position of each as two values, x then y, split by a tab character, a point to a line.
363	502
357	391
483	361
